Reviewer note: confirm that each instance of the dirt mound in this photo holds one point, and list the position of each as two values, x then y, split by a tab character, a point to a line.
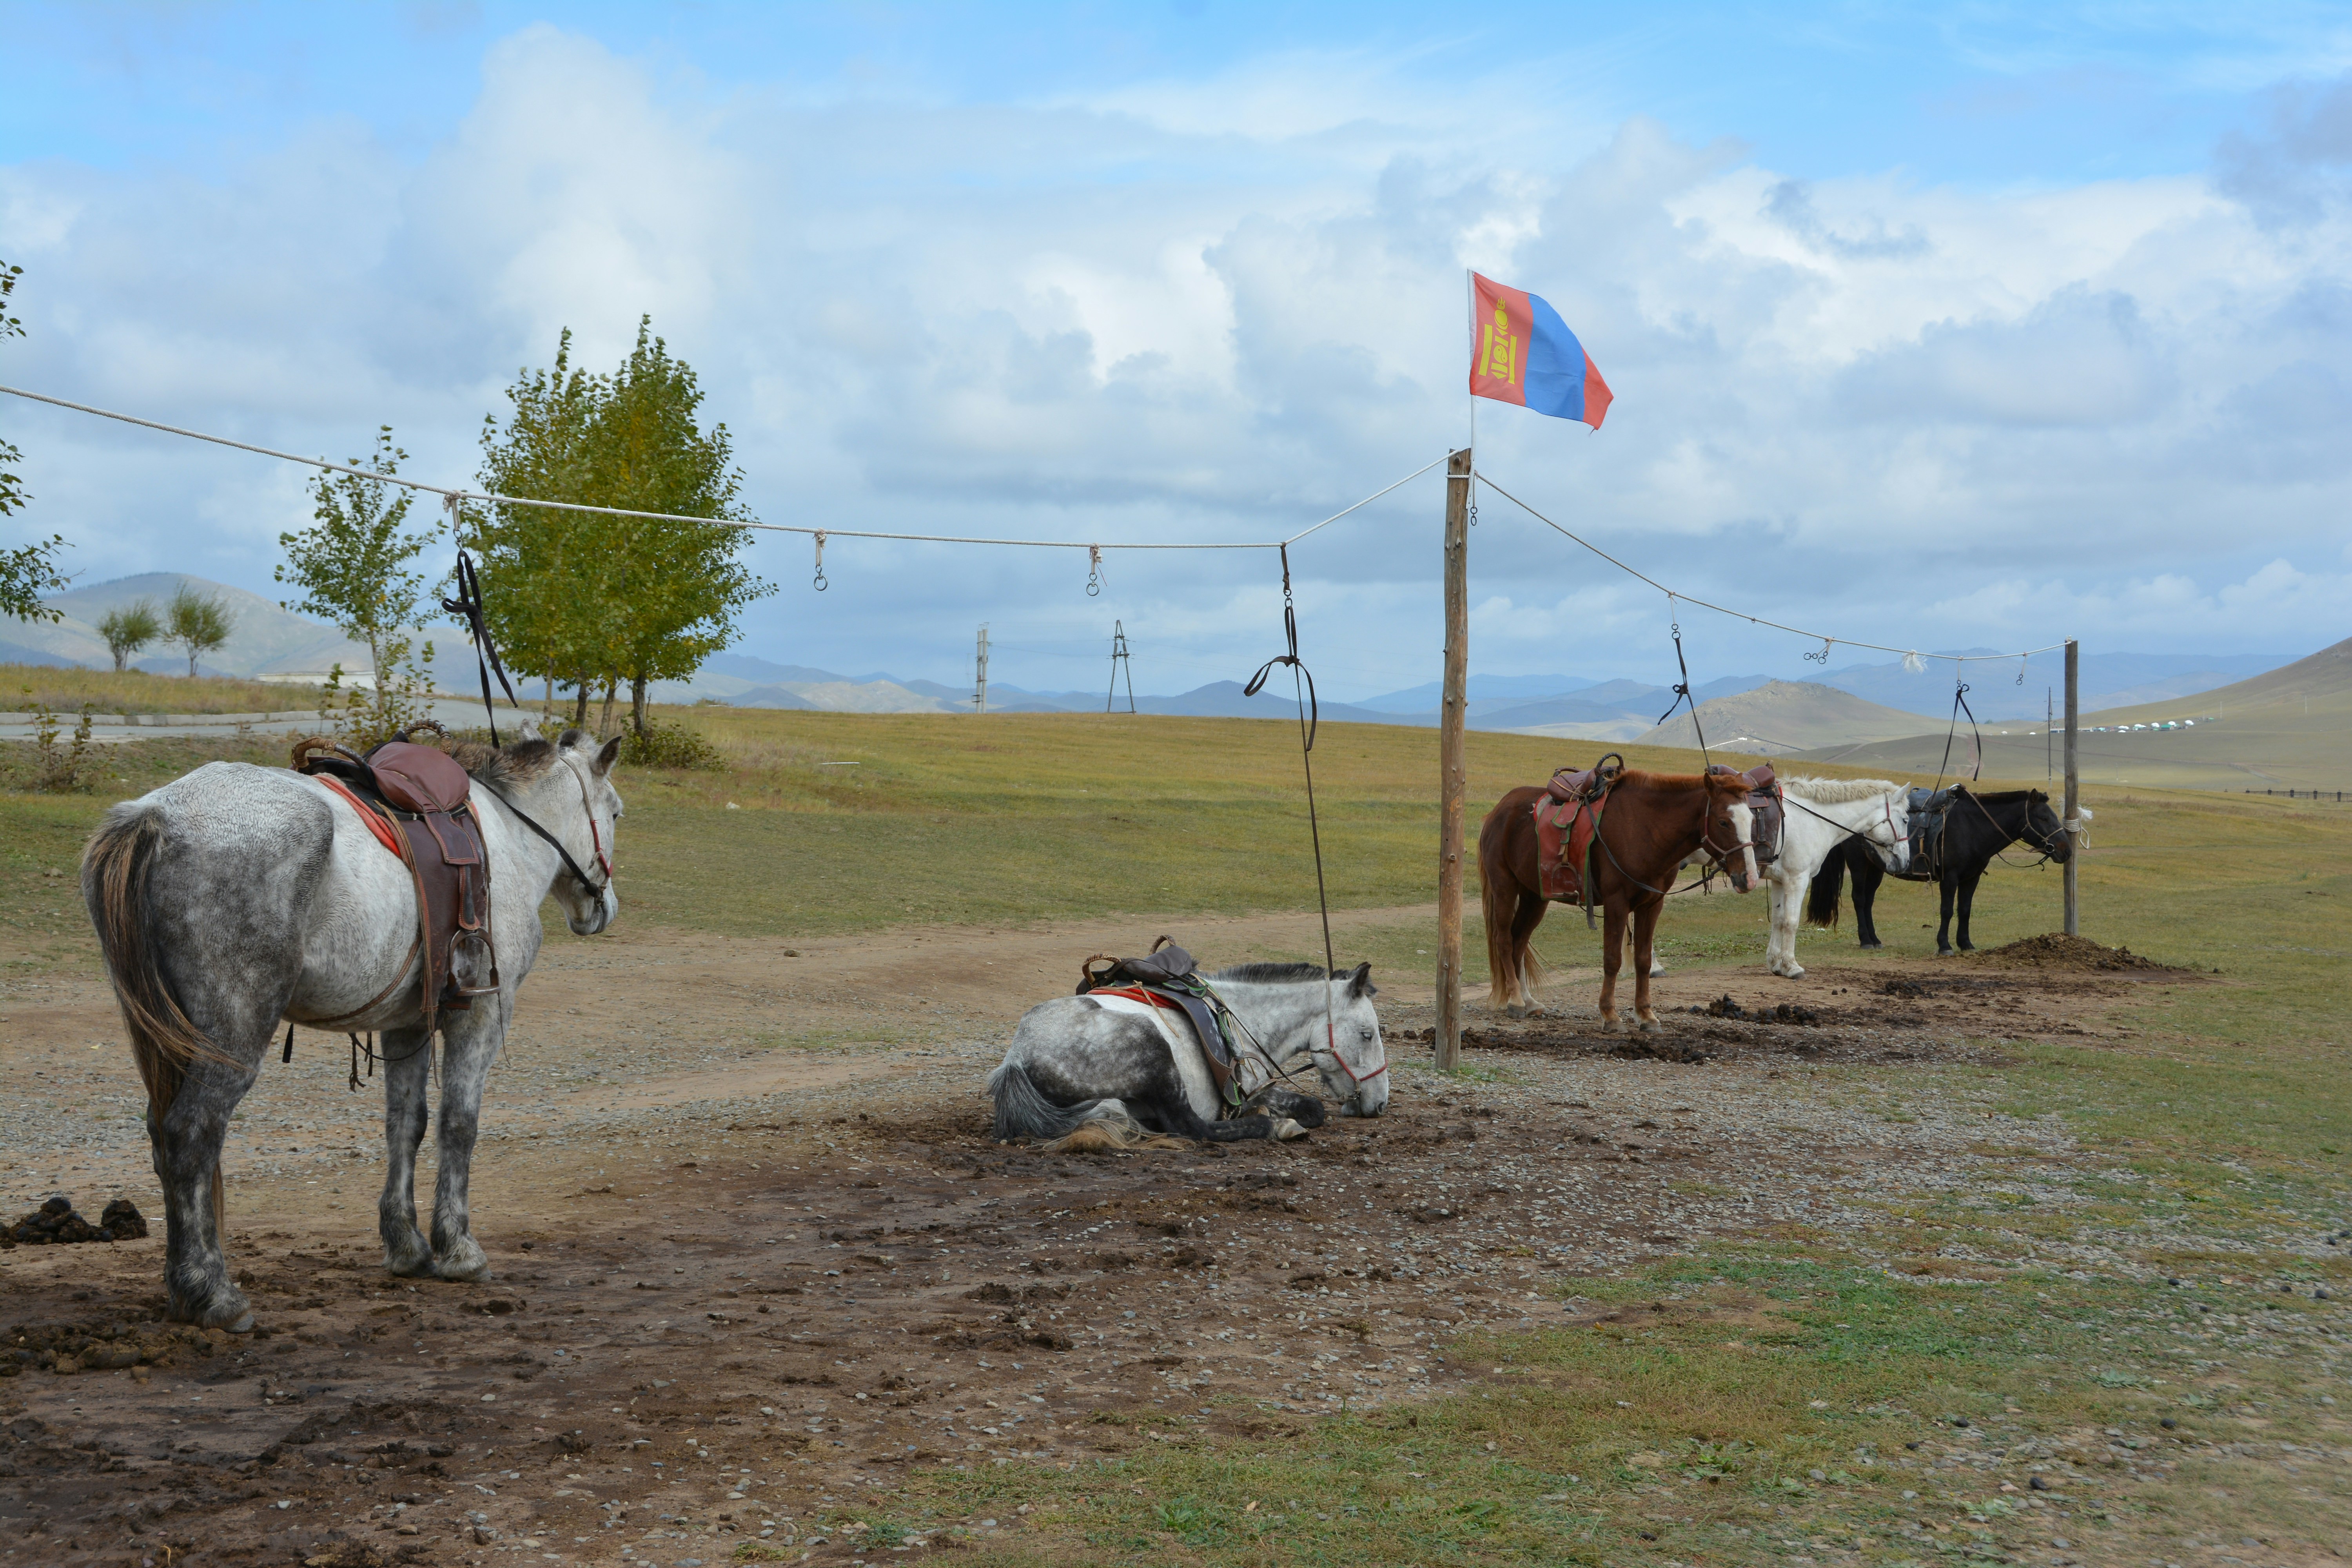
2055	950
55	1223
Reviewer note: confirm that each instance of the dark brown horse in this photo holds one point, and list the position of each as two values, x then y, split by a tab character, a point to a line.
1654	822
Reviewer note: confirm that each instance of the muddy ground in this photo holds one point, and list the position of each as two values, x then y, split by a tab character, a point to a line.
744	1283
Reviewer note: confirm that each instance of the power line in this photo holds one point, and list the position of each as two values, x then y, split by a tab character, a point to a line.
458	496
1672	595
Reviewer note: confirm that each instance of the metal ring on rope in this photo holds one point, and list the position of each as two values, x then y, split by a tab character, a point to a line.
820	584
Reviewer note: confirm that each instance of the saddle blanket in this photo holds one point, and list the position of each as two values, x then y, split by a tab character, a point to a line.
1192	1062
1564	830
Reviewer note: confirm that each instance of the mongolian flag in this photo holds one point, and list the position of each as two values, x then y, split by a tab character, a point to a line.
1524	354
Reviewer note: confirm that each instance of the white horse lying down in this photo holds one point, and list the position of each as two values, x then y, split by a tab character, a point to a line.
1821	814
1121	1069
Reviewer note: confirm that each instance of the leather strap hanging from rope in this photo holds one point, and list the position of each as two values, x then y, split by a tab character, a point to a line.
1682	692
468	605
1960	706
1309	719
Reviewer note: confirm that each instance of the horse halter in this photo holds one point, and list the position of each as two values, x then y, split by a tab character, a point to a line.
604	863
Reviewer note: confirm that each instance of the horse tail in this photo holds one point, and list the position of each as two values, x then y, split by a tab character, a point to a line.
1507	978
1829	886
115	867
1024	1112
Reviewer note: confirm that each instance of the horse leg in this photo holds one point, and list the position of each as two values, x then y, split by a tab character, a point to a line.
1788	900
469	1047
1524	969
1868	876
1612	953
1945	886
1175	1116
1968	901
1646	925
186	1143
407	1058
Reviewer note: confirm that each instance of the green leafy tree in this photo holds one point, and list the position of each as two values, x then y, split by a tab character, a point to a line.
28	571
676	583
128	629
541	592
197	622
596	600
351	566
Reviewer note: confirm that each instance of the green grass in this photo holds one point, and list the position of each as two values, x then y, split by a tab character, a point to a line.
2214	1150
140	691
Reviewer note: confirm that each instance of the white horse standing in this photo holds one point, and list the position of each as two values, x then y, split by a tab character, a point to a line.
236	896
1821	814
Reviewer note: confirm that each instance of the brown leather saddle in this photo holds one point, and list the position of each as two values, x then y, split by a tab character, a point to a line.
1568	815
417	801
1170	978
1764	798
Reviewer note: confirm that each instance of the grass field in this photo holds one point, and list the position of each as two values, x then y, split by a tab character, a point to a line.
1766	1416
139	691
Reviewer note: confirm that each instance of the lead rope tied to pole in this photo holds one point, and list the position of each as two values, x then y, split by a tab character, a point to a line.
1302	682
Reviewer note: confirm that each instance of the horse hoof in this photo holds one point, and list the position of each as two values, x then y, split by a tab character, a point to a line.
1612	1025
1285	1130
1794	971
465	1261
1649	1026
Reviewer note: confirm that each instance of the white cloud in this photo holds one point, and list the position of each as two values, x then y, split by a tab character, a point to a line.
1222	310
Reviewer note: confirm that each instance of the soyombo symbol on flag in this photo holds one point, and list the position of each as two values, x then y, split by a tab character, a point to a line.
1524	354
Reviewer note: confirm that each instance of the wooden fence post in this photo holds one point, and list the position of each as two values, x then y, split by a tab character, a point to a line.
1452	771
2073	791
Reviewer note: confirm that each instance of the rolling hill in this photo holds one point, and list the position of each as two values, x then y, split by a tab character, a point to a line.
1782	717
2290	728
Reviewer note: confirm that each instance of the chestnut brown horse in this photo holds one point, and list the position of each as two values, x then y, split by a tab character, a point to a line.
1654	822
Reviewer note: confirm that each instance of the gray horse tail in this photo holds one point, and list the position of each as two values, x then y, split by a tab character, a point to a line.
163	1040
1024	1112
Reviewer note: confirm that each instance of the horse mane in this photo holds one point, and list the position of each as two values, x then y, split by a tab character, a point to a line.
1837	792
1673	783
516	764
1275	974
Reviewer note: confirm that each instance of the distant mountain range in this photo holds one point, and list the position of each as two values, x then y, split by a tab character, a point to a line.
1883	700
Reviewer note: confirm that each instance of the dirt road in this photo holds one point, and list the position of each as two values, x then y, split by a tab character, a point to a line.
755	1259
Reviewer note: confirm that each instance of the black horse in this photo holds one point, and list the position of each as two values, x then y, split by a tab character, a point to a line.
1976	828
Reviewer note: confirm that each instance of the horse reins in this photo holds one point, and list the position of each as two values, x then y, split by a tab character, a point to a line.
595	838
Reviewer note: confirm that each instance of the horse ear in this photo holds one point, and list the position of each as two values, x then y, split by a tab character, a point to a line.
571	737
608	756
1360	983
530	729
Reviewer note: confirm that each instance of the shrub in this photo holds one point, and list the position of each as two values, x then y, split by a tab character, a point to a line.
671	746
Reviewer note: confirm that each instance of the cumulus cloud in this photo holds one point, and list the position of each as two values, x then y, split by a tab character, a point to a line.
1220	310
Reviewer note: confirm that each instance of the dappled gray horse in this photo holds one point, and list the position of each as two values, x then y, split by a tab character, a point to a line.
1119	1067
237	896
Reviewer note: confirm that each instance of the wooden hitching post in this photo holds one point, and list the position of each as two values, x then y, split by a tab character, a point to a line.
2074	792
1453	773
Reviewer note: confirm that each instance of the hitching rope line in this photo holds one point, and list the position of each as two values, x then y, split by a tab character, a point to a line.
460	496
1742	614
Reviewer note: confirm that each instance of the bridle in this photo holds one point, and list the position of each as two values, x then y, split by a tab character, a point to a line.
1330	1039
595	890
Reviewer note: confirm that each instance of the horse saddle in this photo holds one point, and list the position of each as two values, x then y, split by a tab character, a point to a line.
418	802
1764	799
1565	824
1170	977
1930	809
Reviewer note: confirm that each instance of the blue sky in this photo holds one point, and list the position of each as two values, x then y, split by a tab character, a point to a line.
1964	326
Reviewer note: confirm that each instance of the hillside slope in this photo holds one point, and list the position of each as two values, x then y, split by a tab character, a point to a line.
2290	728
1782	717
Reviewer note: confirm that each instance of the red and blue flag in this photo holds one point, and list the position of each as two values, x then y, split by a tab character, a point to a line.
1524	354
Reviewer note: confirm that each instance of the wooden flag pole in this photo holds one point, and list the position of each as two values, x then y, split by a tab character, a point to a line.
1452	772
2073	791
